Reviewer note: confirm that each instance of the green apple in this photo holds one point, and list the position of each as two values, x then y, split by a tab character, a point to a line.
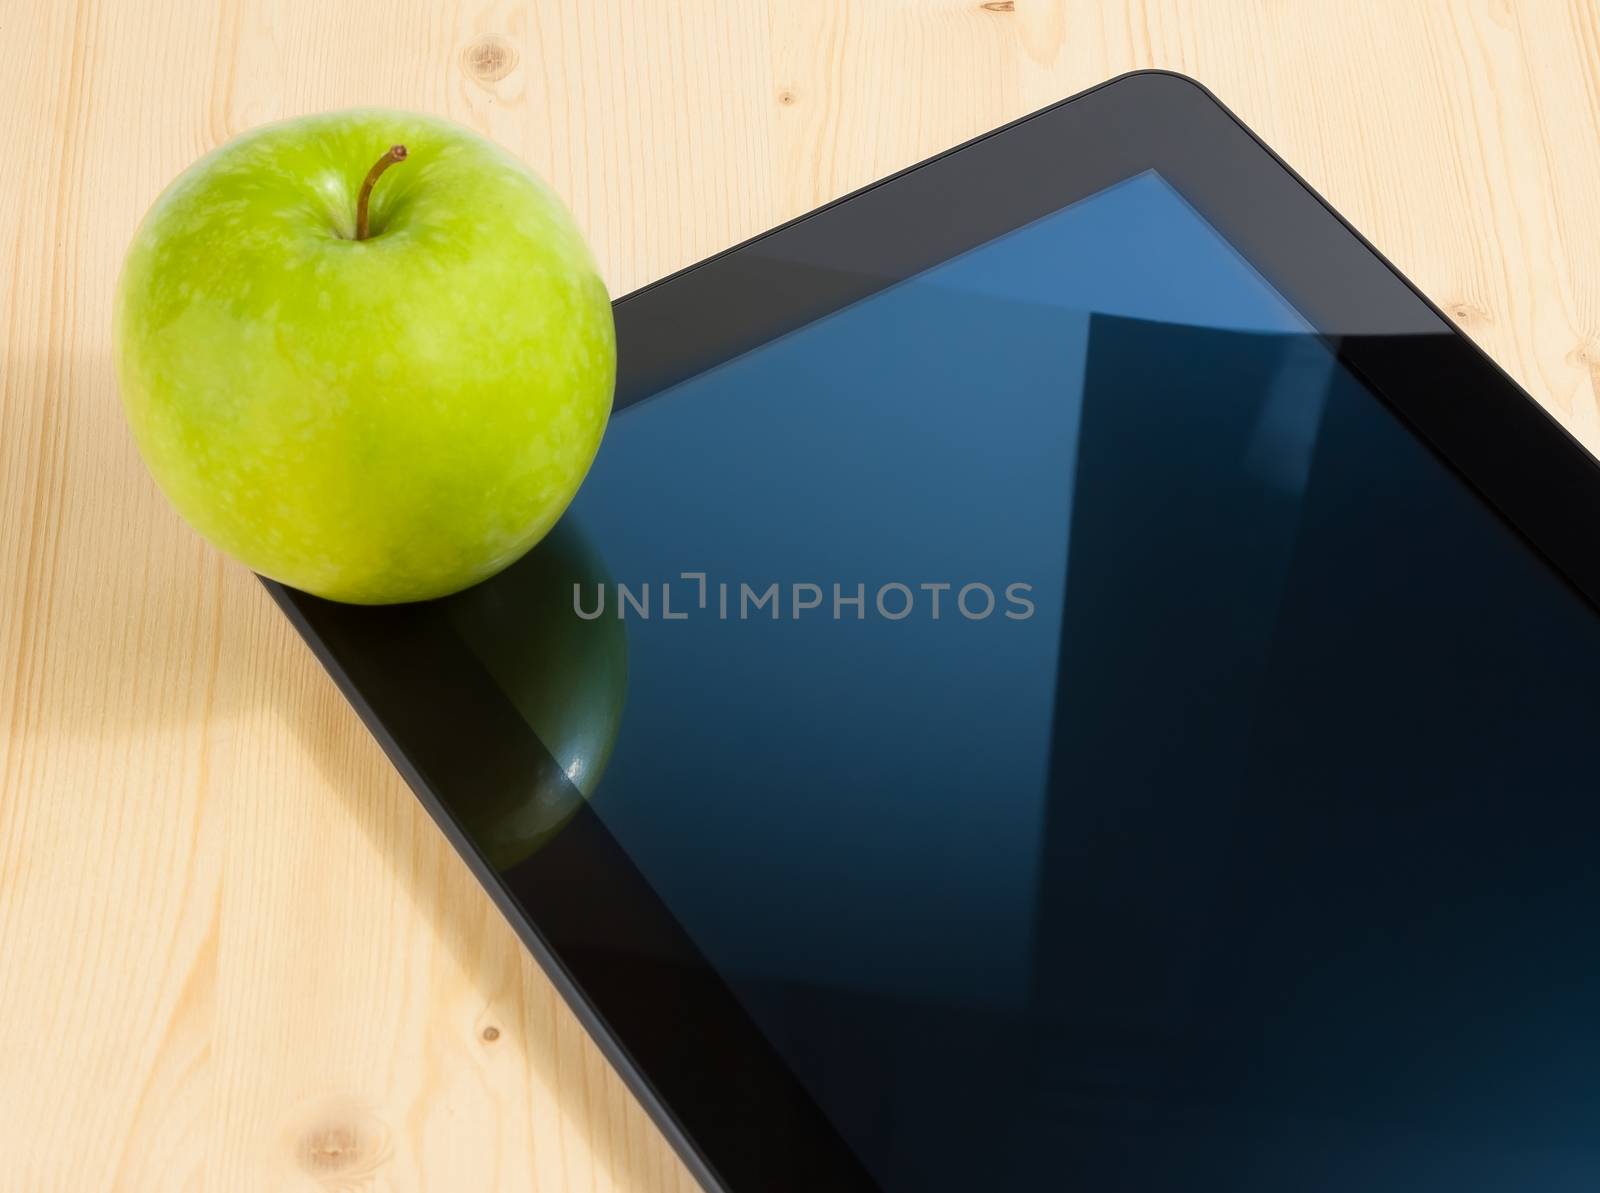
376	375
566	676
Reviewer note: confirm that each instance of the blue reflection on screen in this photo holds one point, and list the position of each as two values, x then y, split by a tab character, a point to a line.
1253	849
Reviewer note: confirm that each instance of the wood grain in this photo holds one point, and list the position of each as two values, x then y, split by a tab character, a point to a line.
234	954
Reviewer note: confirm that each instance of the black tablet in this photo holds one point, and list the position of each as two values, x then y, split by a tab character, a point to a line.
1067	672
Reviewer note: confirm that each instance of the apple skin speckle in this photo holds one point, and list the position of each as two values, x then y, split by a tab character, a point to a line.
371	421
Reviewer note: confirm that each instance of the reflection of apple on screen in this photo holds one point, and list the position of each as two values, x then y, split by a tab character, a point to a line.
567	677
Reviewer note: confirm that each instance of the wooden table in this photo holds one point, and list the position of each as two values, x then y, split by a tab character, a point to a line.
234	953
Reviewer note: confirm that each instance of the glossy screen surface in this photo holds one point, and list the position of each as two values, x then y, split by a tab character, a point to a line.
1246	840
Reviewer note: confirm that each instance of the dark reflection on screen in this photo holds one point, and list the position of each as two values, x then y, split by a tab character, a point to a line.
565	677
1259	857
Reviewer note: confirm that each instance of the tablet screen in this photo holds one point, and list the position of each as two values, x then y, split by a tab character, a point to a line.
1091	735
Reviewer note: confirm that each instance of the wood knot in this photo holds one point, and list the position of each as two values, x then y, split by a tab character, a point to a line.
999	6
338	1140
491	1034
489	59
331	1148
1467	314
787	98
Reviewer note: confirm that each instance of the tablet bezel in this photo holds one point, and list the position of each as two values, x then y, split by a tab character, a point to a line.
661	1015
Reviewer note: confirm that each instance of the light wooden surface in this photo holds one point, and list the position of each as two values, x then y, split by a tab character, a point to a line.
234	954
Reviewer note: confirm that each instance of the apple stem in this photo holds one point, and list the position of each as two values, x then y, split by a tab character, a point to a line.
397	153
